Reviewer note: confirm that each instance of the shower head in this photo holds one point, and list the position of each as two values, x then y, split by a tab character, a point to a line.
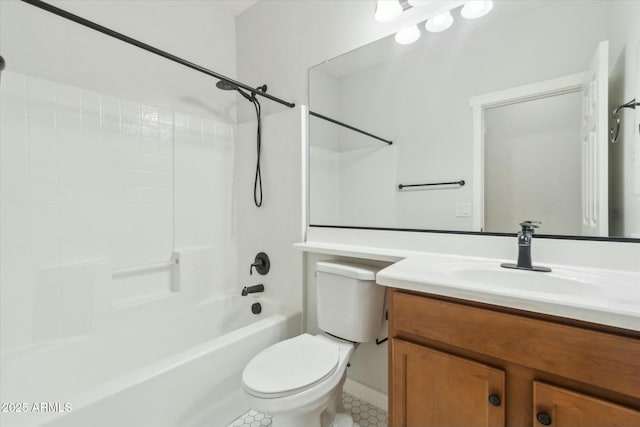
225	85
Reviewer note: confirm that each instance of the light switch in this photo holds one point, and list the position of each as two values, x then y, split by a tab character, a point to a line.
463	210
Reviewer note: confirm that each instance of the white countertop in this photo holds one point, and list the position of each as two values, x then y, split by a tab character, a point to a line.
618	305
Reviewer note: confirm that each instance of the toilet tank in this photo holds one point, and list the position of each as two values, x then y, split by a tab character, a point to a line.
349	302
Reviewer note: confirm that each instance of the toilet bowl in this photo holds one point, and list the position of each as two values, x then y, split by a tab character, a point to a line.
299	381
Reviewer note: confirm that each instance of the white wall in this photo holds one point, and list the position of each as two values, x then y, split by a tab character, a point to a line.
325	134
624	188
279	40
532	158
324	179
367	190
286	37
38	43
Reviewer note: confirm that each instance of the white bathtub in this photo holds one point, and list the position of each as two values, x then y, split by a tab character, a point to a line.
183	370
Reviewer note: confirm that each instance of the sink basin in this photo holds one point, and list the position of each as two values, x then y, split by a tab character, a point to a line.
608	297
490	276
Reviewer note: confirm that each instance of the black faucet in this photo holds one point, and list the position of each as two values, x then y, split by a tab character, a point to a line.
525	236
252	289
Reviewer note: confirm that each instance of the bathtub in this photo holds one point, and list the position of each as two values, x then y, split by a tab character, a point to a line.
178	367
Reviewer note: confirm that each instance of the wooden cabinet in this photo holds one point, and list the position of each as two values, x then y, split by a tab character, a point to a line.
456	363
560	407
432	388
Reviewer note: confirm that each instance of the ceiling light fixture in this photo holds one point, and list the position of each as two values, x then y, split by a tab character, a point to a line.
439	22
408	35
476	8
387	10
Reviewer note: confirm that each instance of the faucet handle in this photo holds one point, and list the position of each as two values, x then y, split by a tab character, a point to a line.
261	263
530	225
534	224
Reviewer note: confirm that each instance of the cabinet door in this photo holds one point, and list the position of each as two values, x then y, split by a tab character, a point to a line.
555	406
432	388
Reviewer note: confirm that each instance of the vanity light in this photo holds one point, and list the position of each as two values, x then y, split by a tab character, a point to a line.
408	35
439	22
476	8
387	10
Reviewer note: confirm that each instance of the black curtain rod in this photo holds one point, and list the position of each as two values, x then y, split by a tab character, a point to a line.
329	119
104	30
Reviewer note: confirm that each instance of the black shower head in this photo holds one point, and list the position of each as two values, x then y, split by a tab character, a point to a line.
225	85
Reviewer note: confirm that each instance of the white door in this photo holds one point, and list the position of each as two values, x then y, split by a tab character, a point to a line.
595	156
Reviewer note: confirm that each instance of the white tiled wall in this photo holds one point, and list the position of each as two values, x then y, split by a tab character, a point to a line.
278	224
91	183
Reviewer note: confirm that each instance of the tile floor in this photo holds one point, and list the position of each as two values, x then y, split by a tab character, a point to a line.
363	413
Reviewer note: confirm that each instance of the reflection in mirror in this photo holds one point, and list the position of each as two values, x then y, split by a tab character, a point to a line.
516	104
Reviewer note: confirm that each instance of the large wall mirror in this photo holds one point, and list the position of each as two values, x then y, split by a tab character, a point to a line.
509	115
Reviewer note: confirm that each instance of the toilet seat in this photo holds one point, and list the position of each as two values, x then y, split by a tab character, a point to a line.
290	367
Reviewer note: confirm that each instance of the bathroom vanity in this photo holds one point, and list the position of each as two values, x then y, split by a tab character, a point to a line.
490	364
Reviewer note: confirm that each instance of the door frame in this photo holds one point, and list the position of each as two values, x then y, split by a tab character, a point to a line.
553	87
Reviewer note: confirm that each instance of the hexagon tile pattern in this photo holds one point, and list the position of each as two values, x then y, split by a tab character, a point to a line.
364	415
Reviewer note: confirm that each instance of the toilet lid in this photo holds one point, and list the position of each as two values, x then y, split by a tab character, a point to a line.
291	365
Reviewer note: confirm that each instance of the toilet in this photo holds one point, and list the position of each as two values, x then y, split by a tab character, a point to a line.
299	381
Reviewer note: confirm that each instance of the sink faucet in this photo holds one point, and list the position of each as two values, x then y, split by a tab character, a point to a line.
252	289
525	236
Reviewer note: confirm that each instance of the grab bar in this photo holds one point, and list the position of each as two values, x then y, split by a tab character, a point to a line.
460	183
124	271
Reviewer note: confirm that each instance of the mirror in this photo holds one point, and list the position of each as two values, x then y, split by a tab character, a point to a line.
508	115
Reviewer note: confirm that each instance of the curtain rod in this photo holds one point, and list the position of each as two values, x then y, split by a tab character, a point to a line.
104	30
353	128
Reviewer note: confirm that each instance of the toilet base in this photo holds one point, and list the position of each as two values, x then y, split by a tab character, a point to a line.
328	412
343	420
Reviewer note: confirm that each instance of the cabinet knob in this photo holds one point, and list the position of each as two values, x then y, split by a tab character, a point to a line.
544	418
494	399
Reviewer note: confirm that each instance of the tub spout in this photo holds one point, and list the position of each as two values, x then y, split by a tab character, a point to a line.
252	289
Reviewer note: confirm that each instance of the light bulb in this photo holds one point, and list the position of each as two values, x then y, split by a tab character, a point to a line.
387	10
408	35
439	22
419	3
476	8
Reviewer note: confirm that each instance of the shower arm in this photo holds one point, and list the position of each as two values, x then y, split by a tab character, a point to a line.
122	37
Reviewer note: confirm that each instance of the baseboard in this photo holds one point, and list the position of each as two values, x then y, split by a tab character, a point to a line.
369	395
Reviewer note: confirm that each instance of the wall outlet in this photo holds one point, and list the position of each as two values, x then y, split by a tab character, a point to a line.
463	210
